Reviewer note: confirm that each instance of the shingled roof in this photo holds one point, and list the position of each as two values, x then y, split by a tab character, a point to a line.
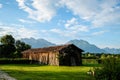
50	49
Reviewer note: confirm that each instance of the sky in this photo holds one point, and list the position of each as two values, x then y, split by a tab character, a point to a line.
58	21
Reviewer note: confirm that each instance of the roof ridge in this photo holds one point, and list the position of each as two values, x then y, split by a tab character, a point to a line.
50	48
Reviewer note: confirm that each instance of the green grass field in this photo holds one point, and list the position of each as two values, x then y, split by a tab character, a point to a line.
38	72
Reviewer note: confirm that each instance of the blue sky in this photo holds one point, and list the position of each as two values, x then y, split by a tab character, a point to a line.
58	21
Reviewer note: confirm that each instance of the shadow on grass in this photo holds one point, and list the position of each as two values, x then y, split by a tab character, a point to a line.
25	65
41	75
92	65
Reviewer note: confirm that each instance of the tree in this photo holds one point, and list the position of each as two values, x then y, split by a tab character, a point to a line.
21	46
7	51
7	47
7	40
11	49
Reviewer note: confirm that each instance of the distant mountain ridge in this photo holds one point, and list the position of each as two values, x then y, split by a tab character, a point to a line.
112	50
86	46
37	43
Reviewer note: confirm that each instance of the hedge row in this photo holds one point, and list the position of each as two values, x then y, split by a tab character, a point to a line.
21	61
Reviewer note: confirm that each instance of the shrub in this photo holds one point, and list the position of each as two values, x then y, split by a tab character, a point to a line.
110	70
99	61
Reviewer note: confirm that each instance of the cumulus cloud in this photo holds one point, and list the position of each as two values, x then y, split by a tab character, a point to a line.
74	25
107	17
17	31
71	22
39	10
98	12
72	28
83	8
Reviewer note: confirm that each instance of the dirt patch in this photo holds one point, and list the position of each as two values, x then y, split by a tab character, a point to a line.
5	76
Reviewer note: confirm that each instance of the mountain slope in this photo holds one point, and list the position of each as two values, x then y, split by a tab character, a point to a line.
112	50
37	43
87	47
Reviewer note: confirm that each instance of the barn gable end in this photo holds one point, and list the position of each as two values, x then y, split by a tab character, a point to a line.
67	55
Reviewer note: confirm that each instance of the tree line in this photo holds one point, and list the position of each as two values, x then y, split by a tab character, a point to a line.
11	48
99	55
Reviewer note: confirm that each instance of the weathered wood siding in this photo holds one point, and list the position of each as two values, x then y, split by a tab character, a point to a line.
50	58
53	58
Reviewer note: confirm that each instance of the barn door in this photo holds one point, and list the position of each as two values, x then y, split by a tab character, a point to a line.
73	62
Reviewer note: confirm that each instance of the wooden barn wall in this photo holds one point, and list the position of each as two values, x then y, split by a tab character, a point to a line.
53	58
78	58
70	57
42	58
50	58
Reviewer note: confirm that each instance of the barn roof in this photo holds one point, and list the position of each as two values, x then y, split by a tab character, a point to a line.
50	49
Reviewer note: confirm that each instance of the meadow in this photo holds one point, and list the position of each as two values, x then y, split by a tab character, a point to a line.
39	72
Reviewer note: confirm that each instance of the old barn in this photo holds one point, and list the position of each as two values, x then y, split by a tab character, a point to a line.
67	55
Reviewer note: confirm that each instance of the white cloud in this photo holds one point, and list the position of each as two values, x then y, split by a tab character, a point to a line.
64	33
67	34
98	12
107	17
83	8
26	21
71	22
17	31
56	31
99	33
74	25
39	10
0	5
72	28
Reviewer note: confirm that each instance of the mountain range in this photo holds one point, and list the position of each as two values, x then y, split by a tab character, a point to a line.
86	46
37	43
